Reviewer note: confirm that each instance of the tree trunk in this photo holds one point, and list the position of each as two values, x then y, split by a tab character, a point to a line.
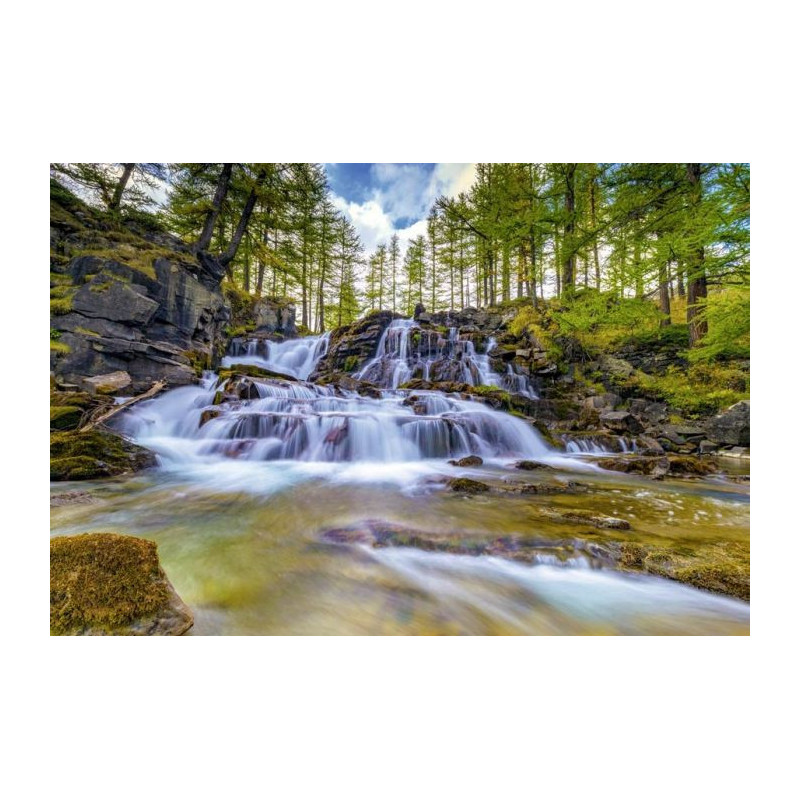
247	212
216	204
593	199
696	270
127	171
568	278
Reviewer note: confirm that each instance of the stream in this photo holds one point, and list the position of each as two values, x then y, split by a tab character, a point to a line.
246	490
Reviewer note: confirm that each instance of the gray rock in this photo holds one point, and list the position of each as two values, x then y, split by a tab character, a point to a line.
111	383
732	426
621	422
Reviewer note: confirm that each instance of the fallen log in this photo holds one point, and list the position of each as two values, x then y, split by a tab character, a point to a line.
94	421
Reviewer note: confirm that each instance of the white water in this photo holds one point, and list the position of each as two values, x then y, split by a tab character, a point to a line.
282	420
295	357
406	351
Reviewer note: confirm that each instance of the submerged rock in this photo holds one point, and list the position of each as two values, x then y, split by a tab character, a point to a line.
587	517
103	584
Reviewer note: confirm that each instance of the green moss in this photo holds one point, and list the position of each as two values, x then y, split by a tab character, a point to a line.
722	567
467	486
59	347
84	455
63	418
351	363
103	581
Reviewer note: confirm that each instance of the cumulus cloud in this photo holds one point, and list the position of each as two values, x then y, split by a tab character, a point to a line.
400	198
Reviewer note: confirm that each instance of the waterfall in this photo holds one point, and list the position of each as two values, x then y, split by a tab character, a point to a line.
295	357
407	351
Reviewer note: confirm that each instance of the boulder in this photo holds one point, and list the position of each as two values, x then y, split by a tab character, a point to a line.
112	383
76	455
732	426
621	422
651	466
103	584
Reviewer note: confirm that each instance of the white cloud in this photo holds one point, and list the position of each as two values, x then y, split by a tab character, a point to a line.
403	191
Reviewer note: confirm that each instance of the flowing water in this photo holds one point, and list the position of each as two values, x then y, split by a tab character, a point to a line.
241	501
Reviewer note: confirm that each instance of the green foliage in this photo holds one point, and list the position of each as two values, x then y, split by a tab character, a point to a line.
701	390
728	317
54	335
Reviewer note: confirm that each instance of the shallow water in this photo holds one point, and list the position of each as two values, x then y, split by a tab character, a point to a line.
240	540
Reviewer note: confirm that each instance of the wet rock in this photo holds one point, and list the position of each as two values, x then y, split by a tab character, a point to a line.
209	414
531	465
104	584
689	466
707	446
588	518
732	426
651	466
467	486
621	422
467	461
70	499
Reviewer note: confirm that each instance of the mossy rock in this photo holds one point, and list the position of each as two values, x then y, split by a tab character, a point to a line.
467	486
65	418
720	567
105	584
77	456
252	371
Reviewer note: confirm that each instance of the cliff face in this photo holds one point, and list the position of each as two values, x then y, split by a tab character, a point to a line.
129	301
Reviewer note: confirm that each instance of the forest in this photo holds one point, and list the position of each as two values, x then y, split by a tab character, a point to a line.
674	237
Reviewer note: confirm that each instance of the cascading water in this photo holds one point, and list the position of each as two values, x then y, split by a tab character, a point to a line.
249	481
295	357
407	351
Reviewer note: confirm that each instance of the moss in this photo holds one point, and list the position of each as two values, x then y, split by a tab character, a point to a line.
251	371
94	454
467	486
722	567
351	364
63	418
103	581
199	361
59	347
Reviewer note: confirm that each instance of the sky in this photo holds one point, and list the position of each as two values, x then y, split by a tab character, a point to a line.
382	199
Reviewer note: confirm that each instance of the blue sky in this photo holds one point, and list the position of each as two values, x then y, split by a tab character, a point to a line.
382	199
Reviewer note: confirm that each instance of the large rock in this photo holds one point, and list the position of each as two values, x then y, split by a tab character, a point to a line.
131	300
103	584
351	346
77	455
275	317
621	422
731	426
